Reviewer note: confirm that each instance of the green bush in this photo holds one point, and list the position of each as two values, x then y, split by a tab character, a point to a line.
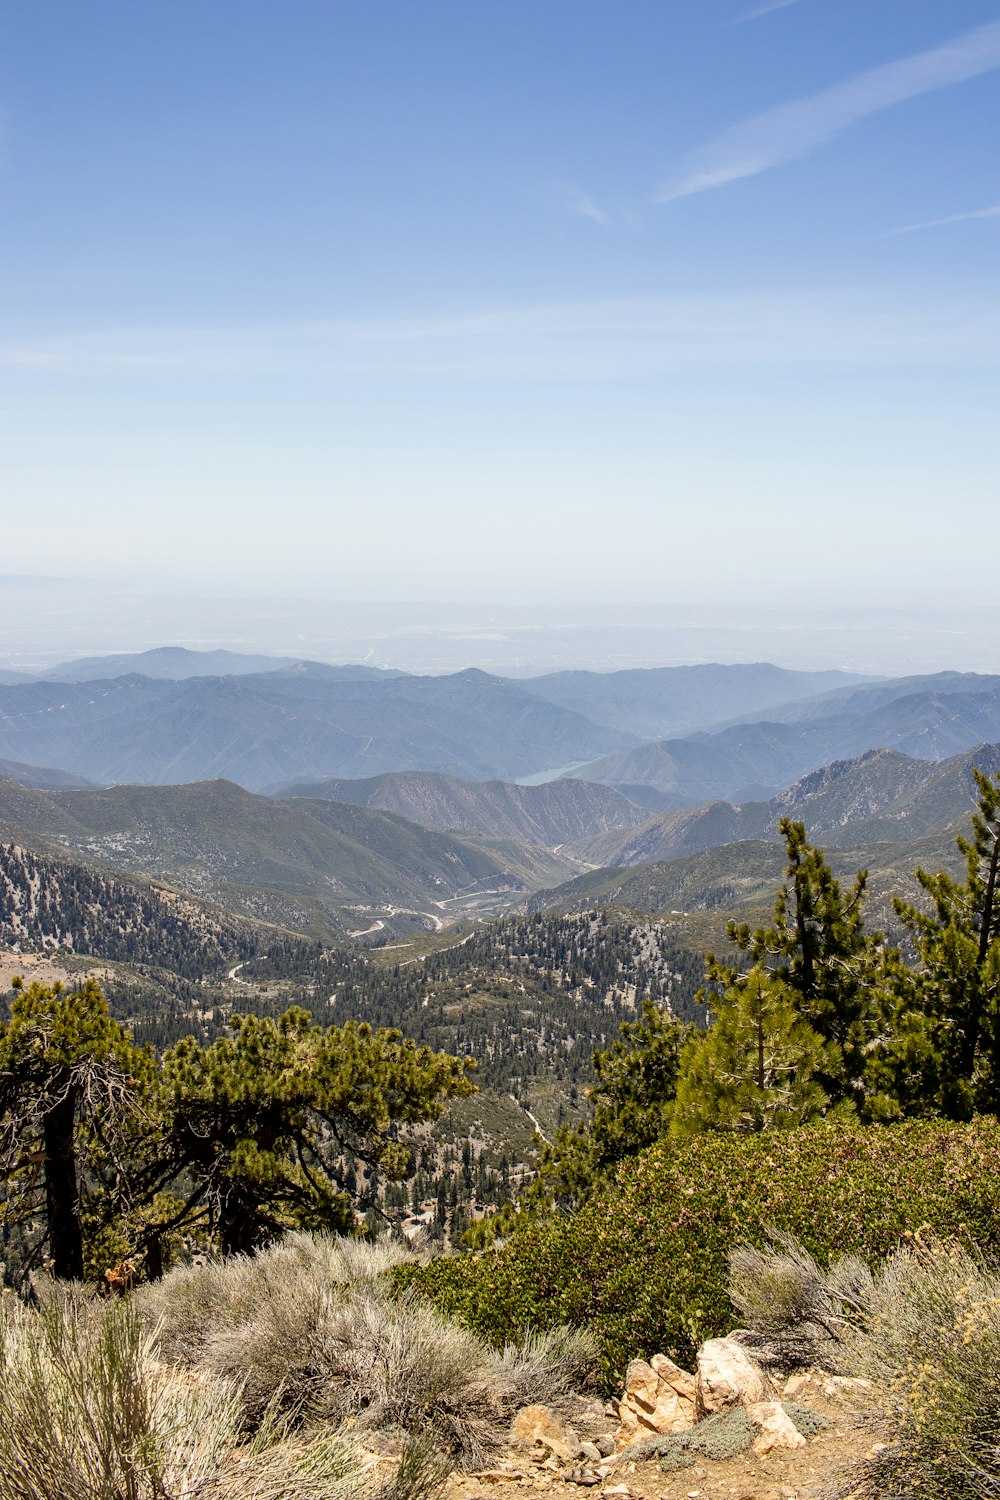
645	1263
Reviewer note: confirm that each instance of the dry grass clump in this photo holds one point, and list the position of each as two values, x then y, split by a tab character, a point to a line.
310	1327
931	1351
194	1304
796	1314
88	1414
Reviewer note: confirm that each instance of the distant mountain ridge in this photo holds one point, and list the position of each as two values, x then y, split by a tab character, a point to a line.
307	720
166	663
40	776
882	796
928	718
553	813
654	702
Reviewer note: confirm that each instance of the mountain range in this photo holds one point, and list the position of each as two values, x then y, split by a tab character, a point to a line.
302	721
309	721
298	863
928	718
882	796
551	814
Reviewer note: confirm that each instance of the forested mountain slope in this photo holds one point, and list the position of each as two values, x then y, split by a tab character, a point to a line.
55	904
741	877
293	863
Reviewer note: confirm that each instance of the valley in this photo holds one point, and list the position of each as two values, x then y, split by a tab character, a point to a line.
517	924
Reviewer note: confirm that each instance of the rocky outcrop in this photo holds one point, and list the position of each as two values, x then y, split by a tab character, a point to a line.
659	1397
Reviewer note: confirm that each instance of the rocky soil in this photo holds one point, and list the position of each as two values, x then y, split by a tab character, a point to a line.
670	1437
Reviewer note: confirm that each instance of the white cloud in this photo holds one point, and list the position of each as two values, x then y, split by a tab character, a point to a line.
623	338
795	129
764	10
978	213
578	202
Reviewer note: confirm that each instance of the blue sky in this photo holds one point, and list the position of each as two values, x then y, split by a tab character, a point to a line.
520	301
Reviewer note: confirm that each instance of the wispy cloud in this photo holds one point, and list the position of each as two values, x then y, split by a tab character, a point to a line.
763	10
578	202
624	338
795	129
977	213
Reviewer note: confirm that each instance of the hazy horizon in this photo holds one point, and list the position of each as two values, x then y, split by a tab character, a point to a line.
44	622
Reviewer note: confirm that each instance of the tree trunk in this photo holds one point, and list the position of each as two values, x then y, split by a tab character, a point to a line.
62	1194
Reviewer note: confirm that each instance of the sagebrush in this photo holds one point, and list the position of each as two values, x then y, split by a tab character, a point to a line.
90	1414
930	1352
312	1327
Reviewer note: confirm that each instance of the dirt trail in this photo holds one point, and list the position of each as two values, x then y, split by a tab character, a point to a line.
798	1475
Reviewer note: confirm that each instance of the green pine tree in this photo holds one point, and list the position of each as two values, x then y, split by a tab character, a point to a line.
72	1089
940	1048
817	946
756	1067
269	1123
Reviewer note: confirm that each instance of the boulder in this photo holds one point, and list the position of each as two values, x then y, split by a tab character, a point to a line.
727	1376
659	1397
777	1430
542	1427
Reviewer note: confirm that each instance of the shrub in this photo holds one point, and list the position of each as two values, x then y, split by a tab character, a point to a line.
280	1289
312	1328
718	1437
794	1311
645	1263
88	1415
931	1351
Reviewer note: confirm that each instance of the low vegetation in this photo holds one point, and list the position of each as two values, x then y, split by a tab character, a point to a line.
644	1263
918	1339
312	1329
89	1413
929	1348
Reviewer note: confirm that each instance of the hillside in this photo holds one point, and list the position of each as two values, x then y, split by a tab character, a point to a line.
741	878
48	904
754	760
297	863
882	796
553	813
40	776
306	721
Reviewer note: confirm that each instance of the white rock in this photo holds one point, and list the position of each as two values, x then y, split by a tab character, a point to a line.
727	1376
777	1430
